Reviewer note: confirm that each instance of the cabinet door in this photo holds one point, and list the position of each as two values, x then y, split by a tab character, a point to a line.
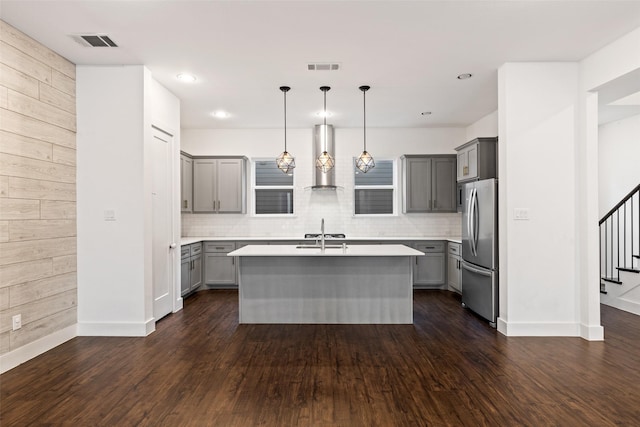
219	269
453	272
186	184
443	185
429	269
472	159
418	187
185	281
196	272
204	194
463	165
229	185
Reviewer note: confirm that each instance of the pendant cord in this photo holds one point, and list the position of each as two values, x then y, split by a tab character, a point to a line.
324	116
364	109
285	121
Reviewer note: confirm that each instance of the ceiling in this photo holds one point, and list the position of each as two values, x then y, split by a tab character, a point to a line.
409	52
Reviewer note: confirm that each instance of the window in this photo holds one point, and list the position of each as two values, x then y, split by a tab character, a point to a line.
273	189
374	190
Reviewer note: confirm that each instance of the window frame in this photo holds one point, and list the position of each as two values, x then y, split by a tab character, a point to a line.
255	187
393	187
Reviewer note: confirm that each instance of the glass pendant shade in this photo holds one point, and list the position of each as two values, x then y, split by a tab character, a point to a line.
325	162
365	162
285	161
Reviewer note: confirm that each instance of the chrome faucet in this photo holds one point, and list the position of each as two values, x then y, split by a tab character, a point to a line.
322	235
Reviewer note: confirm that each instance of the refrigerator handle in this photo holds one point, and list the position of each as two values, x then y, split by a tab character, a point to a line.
469	215
472	223
476	221
475	270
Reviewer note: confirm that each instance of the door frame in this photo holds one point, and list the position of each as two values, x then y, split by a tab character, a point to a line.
174	162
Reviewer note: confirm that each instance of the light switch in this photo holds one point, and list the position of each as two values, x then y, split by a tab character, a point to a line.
109	215
521	214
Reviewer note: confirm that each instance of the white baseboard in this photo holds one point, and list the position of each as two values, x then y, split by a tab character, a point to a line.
178	304
28	351
116	329
592	333
622	304
538	329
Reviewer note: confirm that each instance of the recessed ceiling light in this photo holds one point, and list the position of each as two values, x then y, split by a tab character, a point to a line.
465	76
187	78
322	114
426	113
220	114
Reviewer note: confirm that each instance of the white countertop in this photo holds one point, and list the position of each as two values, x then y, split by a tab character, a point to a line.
351	250
189	240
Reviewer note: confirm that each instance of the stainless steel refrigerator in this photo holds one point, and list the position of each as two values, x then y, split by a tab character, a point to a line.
480	248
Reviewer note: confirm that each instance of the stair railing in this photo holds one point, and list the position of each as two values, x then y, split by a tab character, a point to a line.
620	239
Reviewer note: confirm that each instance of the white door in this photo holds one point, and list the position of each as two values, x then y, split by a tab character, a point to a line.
162	234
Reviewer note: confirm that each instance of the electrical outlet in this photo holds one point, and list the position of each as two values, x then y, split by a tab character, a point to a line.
17	322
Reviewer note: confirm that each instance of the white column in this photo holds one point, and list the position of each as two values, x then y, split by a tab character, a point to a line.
538	122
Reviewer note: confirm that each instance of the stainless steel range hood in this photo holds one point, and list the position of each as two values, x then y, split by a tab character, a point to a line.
322	133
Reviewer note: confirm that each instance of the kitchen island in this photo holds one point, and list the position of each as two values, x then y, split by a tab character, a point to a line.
341	284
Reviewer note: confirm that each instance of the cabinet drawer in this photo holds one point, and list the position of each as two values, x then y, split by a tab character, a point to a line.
219	246
196	249
434	247
184	252
454	249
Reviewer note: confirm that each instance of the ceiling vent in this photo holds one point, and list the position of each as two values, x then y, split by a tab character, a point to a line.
323	66
94	40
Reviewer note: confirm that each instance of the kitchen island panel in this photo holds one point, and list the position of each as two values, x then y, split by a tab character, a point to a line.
326	289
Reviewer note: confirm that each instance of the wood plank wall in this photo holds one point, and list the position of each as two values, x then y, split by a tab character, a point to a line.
37	189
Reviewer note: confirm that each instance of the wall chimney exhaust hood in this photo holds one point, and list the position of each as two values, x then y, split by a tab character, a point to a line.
323	141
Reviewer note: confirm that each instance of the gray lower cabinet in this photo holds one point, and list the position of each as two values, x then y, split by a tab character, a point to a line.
185	271
429	183
219	269
429	270
454	267
196	272
190	268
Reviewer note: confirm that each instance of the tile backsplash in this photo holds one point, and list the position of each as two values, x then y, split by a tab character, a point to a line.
414	225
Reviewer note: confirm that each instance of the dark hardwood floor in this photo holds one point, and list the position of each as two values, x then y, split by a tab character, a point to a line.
201	368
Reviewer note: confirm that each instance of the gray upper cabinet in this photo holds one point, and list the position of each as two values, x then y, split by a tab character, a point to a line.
219	185
186	183
477	159
429	183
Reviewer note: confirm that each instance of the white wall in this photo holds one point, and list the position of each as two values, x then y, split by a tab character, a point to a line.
612	61
538	116
111	254
485	127
607	64
116	108
619	161
310	206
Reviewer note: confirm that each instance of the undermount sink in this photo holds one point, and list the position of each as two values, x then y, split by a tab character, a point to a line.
326	236
318	247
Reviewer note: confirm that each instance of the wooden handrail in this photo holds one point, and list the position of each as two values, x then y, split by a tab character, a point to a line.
620	203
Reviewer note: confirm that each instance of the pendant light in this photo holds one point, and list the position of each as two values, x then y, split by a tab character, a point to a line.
365	162
325	162
285	161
